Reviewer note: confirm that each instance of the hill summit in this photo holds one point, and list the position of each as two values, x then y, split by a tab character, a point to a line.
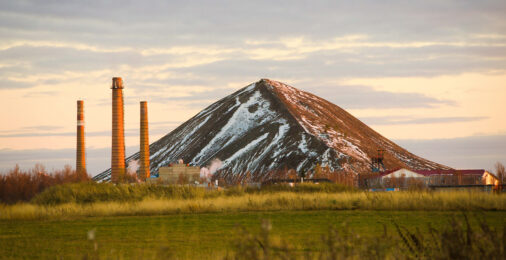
268	126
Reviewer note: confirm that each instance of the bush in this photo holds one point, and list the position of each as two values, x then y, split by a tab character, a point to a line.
18	185
103	192
325	187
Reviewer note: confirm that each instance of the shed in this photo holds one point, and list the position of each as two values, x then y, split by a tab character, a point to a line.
490	179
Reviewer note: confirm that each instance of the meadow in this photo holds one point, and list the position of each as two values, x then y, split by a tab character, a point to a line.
218	235
88	220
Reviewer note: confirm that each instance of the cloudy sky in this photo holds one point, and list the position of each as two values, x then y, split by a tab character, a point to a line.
429	75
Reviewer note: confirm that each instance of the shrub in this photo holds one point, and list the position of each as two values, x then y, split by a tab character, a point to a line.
18	185
104	192
304	188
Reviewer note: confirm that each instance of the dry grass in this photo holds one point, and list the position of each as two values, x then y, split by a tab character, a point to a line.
427	201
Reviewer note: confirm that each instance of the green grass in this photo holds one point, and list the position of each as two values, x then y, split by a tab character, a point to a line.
199	235
155	222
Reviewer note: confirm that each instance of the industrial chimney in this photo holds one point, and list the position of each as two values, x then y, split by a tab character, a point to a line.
118	132
144	156
80	151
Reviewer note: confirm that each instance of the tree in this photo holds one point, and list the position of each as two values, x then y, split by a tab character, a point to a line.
292	174
499	170
317	171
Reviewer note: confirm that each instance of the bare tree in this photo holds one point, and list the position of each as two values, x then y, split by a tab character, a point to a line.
499	170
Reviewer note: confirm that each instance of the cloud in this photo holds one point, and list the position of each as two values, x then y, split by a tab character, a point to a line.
225	21
350	97
97	159
164	123
49	44
474	152
360	97
13	84
39	94
158	128
33	128
390	120
191	53
207	95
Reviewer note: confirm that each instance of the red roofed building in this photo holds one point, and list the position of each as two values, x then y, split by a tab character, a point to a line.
453	177
404	178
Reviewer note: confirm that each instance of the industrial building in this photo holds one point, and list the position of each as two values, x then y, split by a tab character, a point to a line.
404	178
80	148
178	173
118	163
144	171
118	169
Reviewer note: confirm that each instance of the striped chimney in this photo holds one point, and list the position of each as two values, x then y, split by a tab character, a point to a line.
118	132
80	151
144	156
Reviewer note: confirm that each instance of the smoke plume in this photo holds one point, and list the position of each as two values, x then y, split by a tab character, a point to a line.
133	166
208	172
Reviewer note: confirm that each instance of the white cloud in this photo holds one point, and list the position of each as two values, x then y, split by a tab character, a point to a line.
398	59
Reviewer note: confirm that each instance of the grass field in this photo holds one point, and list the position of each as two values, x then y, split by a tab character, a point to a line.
320	221
199	235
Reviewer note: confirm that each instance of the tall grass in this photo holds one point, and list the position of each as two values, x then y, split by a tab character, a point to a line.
448	201
458	240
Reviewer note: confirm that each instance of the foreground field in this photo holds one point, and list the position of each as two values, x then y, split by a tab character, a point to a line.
200	236
308	222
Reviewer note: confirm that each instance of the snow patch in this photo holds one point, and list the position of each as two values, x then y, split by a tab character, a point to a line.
239	124
246	148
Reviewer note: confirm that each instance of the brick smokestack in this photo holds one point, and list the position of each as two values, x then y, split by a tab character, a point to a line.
144	156
118	132
80	149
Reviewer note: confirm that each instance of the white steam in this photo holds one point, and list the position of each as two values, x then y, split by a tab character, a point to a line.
133	166
208	172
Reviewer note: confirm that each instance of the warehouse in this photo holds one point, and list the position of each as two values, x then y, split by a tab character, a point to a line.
178	173
406	178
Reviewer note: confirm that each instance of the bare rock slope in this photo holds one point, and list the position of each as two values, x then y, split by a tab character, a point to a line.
268	126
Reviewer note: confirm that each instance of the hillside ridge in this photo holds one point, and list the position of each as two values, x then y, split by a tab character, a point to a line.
269	125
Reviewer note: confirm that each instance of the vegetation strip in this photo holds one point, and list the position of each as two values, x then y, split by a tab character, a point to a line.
448	201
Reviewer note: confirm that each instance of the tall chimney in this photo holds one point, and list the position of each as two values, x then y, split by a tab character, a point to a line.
144	158
118	132
80	151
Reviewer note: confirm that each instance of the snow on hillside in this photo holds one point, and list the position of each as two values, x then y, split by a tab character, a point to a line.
268	126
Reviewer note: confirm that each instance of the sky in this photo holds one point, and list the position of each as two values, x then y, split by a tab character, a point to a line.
430	75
